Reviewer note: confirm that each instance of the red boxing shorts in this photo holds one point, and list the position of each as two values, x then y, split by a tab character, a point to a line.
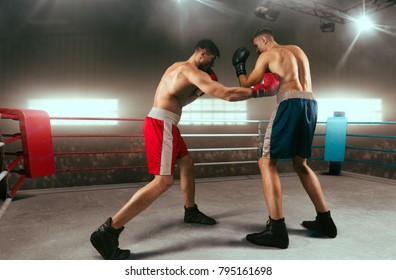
292	125
164	144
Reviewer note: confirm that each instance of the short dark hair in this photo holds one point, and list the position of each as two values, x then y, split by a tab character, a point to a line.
264	32
208	44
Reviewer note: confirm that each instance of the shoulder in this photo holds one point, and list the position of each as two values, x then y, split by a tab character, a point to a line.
177	66
291	47
183	68
294	49
187	68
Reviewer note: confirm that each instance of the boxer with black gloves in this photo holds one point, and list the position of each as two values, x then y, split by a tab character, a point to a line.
289	134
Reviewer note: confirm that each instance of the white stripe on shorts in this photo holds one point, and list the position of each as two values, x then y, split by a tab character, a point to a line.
167	149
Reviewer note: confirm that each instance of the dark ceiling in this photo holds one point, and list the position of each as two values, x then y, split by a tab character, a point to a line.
85	14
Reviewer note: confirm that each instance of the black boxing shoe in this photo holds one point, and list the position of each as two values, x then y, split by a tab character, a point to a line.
193	216
274	235
323	224
105	241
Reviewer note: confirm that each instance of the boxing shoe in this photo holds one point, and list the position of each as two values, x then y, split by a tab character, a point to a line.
193	216
105	241
274	235
323	224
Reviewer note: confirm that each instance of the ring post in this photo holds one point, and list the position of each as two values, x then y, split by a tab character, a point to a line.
37	146
335	142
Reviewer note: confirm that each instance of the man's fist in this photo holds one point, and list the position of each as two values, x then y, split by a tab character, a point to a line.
268	87
239	60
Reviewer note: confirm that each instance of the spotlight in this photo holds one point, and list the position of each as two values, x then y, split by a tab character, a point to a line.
266	13
364	23
327	26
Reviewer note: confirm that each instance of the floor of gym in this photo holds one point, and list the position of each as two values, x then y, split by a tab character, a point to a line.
55	224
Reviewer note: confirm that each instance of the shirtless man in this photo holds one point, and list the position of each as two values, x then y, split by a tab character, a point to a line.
289	134
181	84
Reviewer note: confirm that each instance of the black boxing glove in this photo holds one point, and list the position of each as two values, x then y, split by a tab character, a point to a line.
239	59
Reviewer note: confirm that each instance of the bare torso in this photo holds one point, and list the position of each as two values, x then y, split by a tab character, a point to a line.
183	82
291	64
175	90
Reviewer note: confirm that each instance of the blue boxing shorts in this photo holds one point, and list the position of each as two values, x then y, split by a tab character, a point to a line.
292	125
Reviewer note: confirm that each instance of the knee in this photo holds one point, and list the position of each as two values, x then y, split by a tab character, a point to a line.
266	164
165	182
300	167
168	182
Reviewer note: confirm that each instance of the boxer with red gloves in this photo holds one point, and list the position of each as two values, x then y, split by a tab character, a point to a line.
165	146
289	134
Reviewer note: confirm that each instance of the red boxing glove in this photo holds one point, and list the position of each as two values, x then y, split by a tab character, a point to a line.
212	75
271	82
268	87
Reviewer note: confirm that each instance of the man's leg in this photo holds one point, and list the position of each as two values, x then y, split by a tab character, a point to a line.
187	185
275	233
271	187
323	223
187	180
311	183
105	238
142	199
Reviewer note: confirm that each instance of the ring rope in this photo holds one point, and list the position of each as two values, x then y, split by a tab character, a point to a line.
221	149
371	162
13	139
370	123
95	135
372	136
370	149
218	135
98	168
98	152
95	119
9	116
224	162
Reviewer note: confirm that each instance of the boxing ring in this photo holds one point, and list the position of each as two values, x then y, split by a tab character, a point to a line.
391	152
29	153
23	163
37	158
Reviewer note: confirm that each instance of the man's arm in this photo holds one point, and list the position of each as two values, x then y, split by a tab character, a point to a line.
216	89
256	76
197	92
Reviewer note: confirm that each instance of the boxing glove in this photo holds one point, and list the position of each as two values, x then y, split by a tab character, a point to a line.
239	60
212	75
268	87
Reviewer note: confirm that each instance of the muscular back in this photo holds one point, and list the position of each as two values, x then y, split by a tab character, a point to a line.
291	64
